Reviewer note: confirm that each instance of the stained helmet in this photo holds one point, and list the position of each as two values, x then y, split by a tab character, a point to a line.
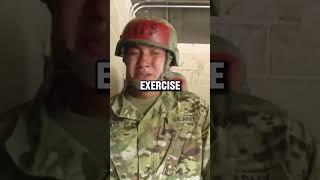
226	51
152	31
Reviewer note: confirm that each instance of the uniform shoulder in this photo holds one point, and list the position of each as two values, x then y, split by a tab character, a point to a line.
191	100
240	103
115	97
271	118
188	96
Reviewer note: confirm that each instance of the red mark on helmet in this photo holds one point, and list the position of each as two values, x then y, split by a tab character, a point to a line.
233	64
147	30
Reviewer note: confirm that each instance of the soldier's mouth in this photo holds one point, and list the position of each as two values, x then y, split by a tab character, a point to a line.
143	76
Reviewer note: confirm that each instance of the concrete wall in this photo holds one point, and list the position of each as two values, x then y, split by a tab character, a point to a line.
281	46
195	67
119	16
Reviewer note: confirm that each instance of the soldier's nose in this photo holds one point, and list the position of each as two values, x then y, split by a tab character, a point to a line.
144	60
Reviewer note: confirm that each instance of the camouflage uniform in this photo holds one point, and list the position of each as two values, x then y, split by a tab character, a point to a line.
40	147
170	141
255	140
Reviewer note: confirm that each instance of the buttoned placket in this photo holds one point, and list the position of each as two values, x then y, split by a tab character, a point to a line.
146	141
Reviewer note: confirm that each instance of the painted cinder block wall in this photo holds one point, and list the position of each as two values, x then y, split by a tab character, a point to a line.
281	45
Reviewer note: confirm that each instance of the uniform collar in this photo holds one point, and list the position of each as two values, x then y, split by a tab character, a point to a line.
122	108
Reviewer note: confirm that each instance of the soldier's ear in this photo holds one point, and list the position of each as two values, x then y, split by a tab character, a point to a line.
124	59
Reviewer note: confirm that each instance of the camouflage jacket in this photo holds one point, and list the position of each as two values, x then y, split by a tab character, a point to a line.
255	140
170	141
40	148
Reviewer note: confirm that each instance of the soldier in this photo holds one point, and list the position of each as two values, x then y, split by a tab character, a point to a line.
253	138
155	135
61	133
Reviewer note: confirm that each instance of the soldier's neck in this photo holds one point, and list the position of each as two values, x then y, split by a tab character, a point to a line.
142	94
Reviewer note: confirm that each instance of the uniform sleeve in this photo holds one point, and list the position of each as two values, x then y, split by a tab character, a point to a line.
314	165
206	145
304	151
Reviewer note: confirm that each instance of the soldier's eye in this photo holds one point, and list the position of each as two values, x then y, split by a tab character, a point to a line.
156	51
133	52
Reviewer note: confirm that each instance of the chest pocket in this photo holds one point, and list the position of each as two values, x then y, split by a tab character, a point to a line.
183	152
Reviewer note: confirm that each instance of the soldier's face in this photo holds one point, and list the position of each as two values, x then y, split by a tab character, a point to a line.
145	62
81	26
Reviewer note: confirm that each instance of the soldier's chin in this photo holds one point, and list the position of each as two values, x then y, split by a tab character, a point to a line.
144	78
133	83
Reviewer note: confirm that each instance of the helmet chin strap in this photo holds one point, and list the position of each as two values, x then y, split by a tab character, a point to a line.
166	68
133	83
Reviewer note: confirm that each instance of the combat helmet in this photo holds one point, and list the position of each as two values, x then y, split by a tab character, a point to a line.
226	51
152	31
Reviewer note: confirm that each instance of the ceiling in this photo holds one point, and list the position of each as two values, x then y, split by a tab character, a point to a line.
192	24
